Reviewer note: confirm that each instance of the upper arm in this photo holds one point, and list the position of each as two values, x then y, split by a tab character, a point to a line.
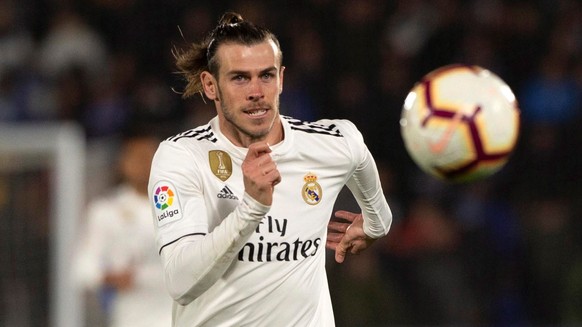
176	194
365	184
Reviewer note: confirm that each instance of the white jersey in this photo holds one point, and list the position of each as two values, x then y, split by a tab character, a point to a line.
277	276
118	237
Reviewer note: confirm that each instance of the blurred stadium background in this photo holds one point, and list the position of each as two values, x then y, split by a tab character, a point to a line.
76	75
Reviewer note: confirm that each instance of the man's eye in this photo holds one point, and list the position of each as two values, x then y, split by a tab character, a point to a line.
238	78
268	75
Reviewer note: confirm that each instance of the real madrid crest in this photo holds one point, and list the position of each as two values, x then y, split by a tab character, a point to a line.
311	190
220	164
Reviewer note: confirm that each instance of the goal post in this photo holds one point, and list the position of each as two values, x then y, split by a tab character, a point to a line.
60	149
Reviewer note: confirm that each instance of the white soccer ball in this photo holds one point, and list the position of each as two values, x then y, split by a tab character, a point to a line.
460	123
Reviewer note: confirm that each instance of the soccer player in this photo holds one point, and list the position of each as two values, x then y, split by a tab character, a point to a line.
114	255
241	205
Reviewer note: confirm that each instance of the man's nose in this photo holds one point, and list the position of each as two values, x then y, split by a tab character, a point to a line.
255	91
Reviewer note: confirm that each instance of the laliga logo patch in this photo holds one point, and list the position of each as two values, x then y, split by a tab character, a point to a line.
166	203
164	197
311	190
220	164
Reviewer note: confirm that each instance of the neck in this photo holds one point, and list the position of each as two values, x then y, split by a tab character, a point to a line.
238	138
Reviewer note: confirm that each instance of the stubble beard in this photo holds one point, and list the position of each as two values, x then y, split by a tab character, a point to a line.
238	128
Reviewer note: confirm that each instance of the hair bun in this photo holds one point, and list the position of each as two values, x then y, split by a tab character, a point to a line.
230	18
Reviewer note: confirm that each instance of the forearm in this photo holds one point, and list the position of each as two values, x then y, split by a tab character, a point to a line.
194	264
366	187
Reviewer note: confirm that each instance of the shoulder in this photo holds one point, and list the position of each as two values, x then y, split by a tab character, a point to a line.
101	205
203	133
110	196
337	138
188	143
330	127
340	128
183	153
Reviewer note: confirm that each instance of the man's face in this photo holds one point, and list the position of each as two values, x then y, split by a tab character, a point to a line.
248	86
135	161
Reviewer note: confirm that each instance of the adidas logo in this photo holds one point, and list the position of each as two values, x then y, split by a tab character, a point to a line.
226	193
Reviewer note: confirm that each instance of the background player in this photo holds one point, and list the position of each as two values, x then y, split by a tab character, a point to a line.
114	257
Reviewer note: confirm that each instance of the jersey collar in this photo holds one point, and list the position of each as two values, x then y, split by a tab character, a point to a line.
279	149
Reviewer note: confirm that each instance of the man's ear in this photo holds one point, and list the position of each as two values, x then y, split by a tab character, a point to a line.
281	71
209	85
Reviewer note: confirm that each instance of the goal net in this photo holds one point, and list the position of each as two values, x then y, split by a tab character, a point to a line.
42	172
